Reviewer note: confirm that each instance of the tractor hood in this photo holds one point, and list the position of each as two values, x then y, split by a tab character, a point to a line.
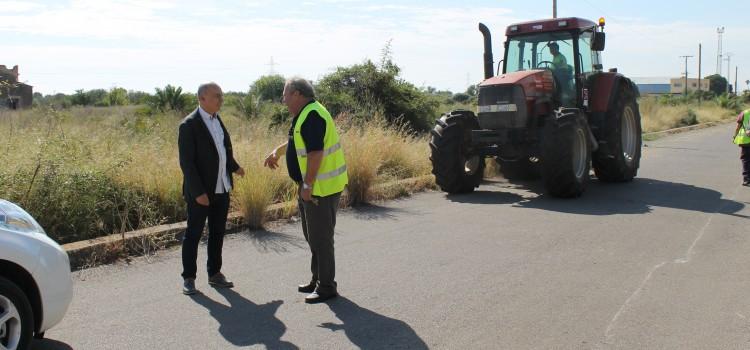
505	100
535	82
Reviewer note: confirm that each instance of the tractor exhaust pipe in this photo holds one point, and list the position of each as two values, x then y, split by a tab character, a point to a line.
488	63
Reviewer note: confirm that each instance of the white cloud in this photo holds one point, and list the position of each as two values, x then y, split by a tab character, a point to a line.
18	6
143	44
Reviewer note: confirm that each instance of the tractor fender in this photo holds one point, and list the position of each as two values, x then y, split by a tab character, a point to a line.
605	88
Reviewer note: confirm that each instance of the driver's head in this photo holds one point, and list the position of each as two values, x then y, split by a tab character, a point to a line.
554	48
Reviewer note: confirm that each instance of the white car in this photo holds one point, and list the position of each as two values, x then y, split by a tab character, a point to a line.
35	281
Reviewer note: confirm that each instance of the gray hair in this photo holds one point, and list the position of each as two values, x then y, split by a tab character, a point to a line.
204	87
304	87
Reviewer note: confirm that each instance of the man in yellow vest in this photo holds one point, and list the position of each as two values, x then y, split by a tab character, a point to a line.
742	139
315	161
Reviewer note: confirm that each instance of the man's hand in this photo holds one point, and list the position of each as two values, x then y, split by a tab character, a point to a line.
272	160
240	172
307	194
202	200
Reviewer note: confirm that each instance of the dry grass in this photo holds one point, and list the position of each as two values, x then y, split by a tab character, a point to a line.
377	153
658	117
127	174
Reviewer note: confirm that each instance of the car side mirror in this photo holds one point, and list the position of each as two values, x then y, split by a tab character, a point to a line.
598	43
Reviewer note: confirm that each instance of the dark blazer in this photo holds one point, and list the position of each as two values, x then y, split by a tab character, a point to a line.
199	159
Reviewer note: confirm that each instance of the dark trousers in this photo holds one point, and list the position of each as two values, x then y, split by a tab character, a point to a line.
318	223
745	156
216	213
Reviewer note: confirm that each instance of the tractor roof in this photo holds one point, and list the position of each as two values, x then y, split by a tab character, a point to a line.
548	25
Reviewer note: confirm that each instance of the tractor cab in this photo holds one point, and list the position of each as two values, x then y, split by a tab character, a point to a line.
568	47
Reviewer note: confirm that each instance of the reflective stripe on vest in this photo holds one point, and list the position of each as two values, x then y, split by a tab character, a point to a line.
742	137
332	176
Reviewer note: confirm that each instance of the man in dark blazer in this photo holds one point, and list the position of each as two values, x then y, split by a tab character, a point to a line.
207	165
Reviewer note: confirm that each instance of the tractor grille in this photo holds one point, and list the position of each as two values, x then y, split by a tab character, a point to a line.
502	107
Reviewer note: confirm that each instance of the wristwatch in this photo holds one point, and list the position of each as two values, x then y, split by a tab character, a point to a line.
305	186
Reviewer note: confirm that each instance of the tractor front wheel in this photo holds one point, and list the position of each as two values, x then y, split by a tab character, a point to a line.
566	154
456	169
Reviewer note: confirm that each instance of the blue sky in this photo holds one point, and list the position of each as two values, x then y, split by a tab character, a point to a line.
62	46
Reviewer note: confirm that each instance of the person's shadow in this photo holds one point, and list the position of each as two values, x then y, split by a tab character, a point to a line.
244	323
369	330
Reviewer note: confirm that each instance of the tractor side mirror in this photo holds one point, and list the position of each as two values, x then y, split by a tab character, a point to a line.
598	43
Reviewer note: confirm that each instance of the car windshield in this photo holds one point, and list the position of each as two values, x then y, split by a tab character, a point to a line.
539	51
13	218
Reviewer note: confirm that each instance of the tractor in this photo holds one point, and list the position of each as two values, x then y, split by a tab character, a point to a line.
544	116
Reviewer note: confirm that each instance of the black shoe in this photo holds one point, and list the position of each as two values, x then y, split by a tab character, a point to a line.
746	183
307	288
188	286
219	281
318	297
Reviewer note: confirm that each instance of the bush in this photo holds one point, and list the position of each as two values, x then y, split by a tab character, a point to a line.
172	98
364	90
268	88
689	119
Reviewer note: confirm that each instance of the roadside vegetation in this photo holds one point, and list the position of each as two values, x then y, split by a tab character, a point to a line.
99	162
105	161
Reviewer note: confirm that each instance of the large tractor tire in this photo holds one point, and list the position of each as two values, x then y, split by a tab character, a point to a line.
566	154
456	169
522	169
619	158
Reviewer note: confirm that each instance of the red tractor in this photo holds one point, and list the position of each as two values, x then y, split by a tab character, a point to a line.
553	113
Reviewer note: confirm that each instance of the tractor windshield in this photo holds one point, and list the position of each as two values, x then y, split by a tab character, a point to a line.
540	51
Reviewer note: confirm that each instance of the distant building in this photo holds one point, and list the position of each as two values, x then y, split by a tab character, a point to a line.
14	94
678	85
667	86
652	85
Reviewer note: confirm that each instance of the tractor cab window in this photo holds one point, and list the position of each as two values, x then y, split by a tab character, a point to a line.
587	58
540	51
553	51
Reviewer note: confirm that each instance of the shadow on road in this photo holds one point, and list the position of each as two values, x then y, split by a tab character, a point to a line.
244	323
49	344
277	242
368	211
636	197
369	330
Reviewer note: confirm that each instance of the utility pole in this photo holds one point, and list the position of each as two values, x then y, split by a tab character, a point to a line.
719	31
554	8
736	70
700	60
729	70
686	72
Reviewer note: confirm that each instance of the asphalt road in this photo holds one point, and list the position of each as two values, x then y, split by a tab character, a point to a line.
659	263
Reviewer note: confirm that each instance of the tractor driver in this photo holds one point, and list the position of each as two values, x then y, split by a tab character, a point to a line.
561	70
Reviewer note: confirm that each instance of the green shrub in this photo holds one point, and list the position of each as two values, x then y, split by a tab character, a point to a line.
364	90
690	119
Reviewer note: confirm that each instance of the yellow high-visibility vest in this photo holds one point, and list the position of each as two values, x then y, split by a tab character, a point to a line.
742	137
332	176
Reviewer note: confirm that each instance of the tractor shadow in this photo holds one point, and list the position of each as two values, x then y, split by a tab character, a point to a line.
637	197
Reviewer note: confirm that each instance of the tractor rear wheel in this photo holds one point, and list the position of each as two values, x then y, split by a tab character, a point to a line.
566	154
456	169
619	159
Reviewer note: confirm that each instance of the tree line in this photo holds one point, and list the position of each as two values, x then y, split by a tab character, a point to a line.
359	91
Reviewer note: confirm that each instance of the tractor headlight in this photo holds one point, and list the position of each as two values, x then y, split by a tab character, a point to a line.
13	218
